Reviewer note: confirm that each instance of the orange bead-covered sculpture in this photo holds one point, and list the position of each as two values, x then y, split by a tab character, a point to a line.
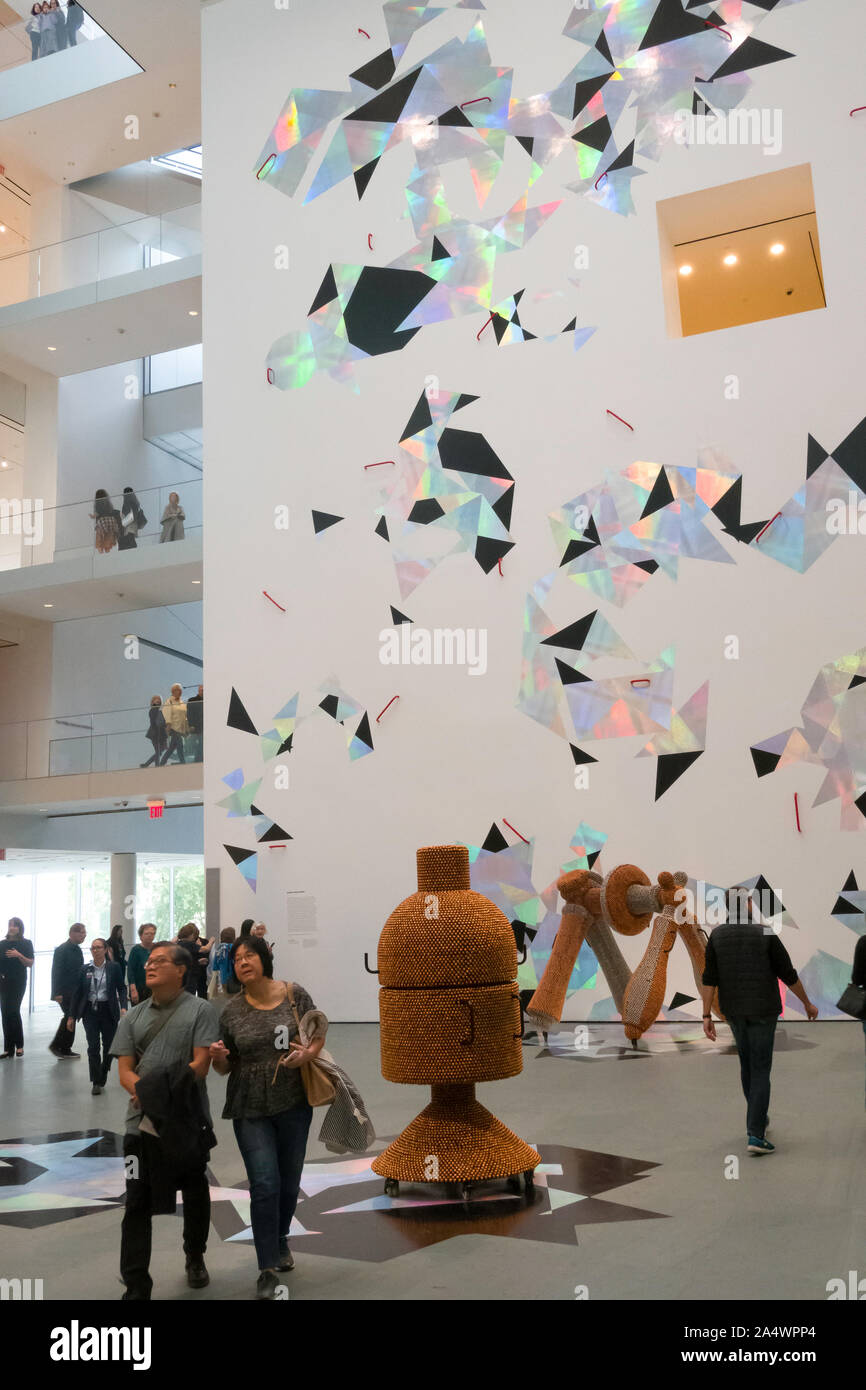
450	1017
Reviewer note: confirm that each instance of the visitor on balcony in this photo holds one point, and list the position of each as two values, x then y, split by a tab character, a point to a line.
174	714
107	518
33	27
55	8
52	37
74	21
195	719
156	731
172	520
132	520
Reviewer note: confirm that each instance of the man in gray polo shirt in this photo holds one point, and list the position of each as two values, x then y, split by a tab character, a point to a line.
169	1027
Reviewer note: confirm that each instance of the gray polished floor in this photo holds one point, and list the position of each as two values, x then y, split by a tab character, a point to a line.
646	1190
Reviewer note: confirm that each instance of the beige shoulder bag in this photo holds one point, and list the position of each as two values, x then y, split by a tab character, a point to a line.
318	1086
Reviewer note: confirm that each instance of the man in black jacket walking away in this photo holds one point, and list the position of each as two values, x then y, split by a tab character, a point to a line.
66	970
99	999
157	1043
745	961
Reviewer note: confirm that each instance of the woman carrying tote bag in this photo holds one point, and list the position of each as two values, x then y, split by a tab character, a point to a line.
261	1052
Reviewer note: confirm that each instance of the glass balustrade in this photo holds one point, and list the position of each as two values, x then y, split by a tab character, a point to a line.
109	741
87	260
34	535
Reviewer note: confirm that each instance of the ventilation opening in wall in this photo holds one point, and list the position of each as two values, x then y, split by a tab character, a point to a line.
741	253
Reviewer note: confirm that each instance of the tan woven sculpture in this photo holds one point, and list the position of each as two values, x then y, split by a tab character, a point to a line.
625	901
450	1017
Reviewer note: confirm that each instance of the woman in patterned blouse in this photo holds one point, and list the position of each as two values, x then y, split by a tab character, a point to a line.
261	1053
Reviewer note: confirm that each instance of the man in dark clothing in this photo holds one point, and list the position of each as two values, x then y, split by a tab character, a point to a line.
66	970
170	1027
745	961
858	973
195	720
99	999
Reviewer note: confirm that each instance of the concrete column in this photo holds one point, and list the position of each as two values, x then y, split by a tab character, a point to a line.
212	903
123	895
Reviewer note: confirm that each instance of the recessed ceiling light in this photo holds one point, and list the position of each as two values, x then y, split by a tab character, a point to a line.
48	605
3	463
52	349
196	581
2	228
730	259
193	313
685	270
172	84
777	248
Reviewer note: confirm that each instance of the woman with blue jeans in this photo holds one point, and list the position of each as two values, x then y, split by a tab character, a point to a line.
261	1053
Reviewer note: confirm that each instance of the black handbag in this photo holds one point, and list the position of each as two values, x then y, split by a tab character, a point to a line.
853	1001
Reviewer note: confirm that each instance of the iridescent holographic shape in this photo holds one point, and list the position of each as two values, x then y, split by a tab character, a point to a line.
503	873
246	861
825	978
448	493
279	739
646	61
613	537
243	796
832	735
679	746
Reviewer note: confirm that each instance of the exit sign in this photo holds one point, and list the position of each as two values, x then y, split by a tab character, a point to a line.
156	809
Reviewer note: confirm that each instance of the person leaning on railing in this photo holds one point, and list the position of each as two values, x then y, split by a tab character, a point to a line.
33	27
107	517
74	21
172	520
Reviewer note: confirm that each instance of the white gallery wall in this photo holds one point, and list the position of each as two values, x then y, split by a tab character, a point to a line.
100	440
454	754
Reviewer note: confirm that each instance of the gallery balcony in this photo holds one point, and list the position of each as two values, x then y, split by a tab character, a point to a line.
50	568
126	291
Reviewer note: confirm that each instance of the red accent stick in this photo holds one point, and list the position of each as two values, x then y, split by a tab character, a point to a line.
621	420
473	101
641	680
270	375
364	32
276	847
388	706
499	563
856	109
267	164
797	812
370	240
517	832
483	326
273	601
378	465
729	37
767	527
600	177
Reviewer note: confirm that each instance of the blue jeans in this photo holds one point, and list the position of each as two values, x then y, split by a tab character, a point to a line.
754	1038
273	1148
